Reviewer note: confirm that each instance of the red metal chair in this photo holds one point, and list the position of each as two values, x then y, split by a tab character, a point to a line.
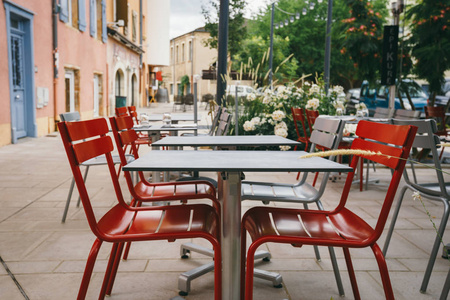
144	191
121	111
298	114
124	223
339	227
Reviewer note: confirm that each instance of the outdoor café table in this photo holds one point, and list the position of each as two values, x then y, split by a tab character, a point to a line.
225	142
231	166
174	117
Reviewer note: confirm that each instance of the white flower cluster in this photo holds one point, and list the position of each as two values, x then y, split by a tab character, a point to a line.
360	106
251	96
337	89
285	148
350	129
338	104
278	115
315	89
251	125
281	129
312	104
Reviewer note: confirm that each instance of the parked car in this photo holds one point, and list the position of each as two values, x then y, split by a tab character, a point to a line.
242	90
378	96
443	97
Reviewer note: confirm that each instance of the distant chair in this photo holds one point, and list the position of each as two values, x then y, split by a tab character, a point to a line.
224	123
178	102
188	101
406	114
385	113
438	114
121	111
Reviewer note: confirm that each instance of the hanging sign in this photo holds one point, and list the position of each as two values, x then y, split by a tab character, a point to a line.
389	58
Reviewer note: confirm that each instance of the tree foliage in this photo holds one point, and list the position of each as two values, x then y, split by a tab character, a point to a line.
430	40
362	36
237	32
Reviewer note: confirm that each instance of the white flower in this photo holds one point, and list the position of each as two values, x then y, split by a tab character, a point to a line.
360	106
350	129
338	89
267	99
251	96
285	148
281	132
278	115
314	89
338	104
416	196
263	121
249	126
312	104
256	121
281	125
307	83
281	89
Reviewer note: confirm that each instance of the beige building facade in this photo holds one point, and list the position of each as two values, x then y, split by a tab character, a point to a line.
189	56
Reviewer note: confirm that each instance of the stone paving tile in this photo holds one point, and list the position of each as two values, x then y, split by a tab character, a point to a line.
48	257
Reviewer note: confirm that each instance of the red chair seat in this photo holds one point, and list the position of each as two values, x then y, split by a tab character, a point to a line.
171	191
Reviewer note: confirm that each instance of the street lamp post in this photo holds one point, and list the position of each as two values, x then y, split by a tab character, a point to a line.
328	47
271	47
397	9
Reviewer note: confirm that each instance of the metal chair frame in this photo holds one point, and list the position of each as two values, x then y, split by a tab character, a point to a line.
327	134
436	189
124	223
339	227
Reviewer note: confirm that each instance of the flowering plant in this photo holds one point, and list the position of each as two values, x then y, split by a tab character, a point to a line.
360	106
269	112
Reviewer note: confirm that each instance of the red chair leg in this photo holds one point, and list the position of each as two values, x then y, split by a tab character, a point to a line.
384	273
217	272
243	257
249	272
114	269
351	273
361	175
108	272
315	179
88	270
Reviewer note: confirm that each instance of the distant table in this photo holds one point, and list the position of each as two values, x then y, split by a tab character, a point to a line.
154	130
231	166
174	117
230	141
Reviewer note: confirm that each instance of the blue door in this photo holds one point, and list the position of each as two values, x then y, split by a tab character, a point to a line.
18	79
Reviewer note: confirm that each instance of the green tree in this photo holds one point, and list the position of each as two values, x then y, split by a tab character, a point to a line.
362	36
237	31
430	41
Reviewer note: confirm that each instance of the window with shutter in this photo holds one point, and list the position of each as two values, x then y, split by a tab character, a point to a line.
81	15
64	11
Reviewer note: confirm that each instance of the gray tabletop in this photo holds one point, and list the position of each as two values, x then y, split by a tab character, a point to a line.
233	161
162	127
220	141
174	117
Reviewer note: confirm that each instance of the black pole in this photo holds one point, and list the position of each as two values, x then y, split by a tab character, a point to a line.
222	51
271	48
328	47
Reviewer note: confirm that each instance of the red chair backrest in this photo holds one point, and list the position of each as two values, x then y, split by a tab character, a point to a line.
299	116
437	113
121	111
395	142
125	135
133	113
82	141
311	116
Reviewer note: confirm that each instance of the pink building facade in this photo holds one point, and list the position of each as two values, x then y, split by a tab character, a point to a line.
53	60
